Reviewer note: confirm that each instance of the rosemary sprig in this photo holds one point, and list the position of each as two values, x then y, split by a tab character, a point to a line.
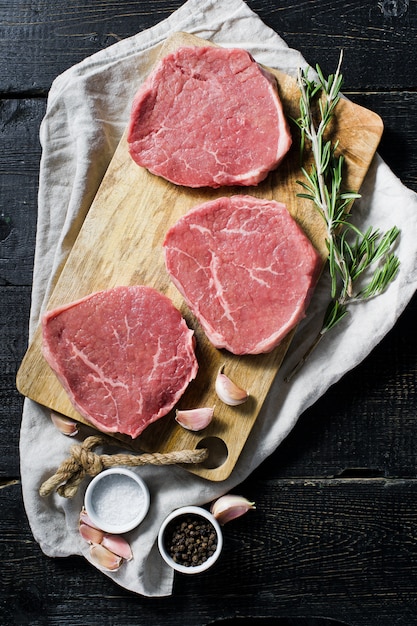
361	265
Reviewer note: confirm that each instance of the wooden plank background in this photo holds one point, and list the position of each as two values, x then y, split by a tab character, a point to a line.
334	534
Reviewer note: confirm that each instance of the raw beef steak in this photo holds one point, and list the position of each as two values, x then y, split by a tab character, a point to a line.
208	116
245	269
124	356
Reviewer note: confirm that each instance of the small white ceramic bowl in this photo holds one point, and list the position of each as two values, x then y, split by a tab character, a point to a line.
117	500
192	511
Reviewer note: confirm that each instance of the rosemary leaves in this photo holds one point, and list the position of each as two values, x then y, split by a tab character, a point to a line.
361	264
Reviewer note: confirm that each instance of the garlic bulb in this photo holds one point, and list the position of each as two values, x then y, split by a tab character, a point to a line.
195	419
228	391
229	507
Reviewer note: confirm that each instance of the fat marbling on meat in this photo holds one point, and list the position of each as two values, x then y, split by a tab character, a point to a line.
124	356
209	116
245	268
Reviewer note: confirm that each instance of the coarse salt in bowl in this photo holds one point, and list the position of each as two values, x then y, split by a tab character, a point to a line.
117	500
169	526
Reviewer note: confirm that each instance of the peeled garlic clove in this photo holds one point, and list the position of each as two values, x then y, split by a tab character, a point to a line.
90	534
228	391
64	424
118	545
229	507
104	558
195	419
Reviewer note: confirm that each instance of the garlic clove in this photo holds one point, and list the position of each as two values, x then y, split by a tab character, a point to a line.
228	391
195	419
115	544
118	545
104	558
84	519
90	534
64	424
229	507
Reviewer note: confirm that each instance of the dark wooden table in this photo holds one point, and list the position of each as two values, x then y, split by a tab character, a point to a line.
335	532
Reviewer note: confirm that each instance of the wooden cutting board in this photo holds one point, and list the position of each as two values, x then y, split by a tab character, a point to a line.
120	243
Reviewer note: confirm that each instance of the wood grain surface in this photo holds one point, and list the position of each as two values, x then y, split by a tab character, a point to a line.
120	243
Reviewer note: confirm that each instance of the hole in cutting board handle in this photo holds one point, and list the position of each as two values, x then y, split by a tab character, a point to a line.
217	450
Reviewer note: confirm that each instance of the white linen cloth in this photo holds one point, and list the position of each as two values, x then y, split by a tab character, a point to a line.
88	108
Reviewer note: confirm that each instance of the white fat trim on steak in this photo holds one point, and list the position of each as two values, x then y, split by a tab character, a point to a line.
209	116
124	356
245	269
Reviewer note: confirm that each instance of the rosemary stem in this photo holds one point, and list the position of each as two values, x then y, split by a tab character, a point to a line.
304	358
348	261
313	135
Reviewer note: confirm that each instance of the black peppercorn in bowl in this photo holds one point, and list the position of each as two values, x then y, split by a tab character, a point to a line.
190	540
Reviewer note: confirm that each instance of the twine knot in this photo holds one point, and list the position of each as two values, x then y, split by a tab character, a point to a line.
88	461
83	461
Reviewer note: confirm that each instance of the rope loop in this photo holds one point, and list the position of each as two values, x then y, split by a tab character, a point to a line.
83	461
